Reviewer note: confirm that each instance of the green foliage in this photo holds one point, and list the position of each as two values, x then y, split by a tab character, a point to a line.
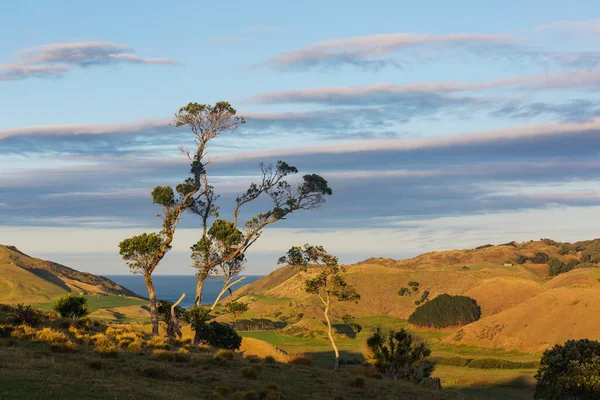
413	283
556	266
23	314
139	251
570	371
540	258
212	333
163	195
446	311
404	292
521	259
73	307
398	355
491	363
237	308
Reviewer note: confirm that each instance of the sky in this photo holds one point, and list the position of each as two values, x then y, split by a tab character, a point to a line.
437	126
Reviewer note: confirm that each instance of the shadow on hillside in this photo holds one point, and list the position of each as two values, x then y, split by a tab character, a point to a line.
518	388
49	277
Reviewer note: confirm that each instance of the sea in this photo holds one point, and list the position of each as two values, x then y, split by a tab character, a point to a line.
170	287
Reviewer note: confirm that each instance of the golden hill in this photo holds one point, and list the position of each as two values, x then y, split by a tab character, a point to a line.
34	281
533	310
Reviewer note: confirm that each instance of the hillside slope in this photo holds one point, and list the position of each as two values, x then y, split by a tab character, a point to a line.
533	309
33	281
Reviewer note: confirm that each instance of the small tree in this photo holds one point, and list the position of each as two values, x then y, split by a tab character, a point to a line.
237	308
570	371
69	306
329	285
212	333
399	356
170	314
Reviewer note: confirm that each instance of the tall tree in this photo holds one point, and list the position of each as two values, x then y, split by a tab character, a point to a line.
223	243
328	285
144	252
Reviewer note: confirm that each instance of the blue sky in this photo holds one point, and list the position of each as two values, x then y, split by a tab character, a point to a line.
437	126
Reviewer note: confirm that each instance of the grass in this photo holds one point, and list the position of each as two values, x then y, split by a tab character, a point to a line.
98	302
166	369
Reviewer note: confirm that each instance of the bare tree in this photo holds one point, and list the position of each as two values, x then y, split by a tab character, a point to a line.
328	285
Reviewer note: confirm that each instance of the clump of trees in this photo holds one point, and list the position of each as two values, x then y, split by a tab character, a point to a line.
237	308
570	371
221	249
399	355
329	285
540	258
71	306
211	332
446	311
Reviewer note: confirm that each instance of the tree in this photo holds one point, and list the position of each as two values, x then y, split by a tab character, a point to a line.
237	308
328	285
223	241
446	311
143	252
398	355
212	333
170	313
570	371
69	306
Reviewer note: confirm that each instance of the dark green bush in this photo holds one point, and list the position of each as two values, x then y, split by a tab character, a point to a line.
490	363
452	361
403	291
446	311
74	307
521	259
570	371
219	335
23	314
540	258
413	283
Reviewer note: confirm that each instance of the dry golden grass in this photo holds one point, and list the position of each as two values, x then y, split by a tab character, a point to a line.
262	349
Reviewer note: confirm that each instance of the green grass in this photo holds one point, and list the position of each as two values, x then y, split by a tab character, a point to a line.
98	302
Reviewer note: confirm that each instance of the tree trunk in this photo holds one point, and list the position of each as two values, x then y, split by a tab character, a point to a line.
174	322
153	310
336	364
199	287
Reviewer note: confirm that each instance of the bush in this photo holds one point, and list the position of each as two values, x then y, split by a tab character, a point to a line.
521	259
398	355
540	258
26	315
270	360
403	291
73	307
556	266
252	358
51	336
6	331
446	311
358	382
302	360
226	354
251	372
134	347
220	335
490	363
413	283
452	361
570	371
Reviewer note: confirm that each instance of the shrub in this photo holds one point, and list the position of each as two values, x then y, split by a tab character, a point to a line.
403	291
134	347
6	331
26	315
540	258
417	302
226	354
107	349
252	358
570	371
73	307
163	355
490	363
398	355
270	360
51	336
219	335
452	361
556	266
301	360
446	311
521	259
250	372
413	283
63	347
358	382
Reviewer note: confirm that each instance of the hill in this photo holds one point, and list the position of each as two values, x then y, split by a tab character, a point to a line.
524	307
29	280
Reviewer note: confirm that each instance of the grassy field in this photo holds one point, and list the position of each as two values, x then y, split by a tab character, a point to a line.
469	382
113	308
91	361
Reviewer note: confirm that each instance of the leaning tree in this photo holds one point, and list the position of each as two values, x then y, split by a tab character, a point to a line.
223	243
144	252
328	284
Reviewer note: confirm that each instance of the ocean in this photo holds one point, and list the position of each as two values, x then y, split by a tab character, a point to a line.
170	287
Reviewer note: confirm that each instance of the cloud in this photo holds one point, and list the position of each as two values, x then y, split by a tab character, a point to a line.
366	51
586	28
56	60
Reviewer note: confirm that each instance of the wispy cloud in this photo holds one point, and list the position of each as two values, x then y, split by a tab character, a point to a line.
591	27
367	51
56	60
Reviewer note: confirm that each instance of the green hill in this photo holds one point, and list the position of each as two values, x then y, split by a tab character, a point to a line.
29	280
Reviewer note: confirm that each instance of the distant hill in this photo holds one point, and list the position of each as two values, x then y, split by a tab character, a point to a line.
523	307
24	279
